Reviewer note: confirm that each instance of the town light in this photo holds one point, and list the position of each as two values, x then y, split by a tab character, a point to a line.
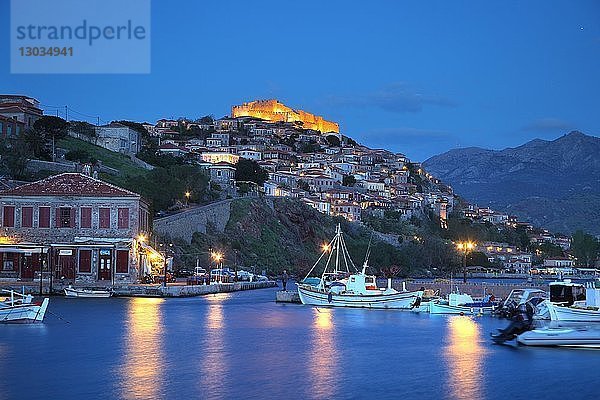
326	247
217	256
141	237
187	195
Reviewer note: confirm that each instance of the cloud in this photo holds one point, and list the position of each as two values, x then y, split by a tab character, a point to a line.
548	125
396	98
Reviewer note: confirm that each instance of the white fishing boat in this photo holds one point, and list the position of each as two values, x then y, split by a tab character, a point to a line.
561	336
86	293
20	308
571	301
339	287
462	304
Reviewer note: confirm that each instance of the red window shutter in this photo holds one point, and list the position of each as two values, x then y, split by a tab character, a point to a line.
44	218
8	216
123	215
85	261
122	261
86	217
27	217
104	218
72	218
57	217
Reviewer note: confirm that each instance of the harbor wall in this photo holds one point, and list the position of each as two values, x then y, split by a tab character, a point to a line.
475	289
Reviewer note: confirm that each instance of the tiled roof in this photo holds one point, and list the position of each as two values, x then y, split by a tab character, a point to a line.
69	184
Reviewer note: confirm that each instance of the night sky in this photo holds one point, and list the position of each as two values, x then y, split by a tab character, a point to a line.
418	77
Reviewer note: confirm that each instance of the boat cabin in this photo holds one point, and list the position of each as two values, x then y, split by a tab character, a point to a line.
566	293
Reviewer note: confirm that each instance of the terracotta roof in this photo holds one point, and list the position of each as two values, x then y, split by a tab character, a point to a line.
69	184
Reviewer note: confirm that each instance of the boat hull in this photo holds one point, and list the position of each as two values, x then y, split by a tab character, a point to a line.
437	308
560	337
398	300
24	313
560	313
87	293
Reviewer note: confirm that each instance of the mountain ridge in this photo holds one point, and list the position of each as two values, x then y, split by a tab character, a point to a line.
543	181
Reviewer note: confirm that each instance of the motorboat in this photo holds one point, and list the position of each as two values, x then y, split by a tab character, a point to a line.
86	293
561	336
508	308
462	304
20	308
570	301
339	287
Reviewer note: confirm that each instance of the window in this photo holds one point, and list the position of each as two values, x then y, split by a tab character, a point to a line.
9	130
122	261
104	216
123	218
85	261
26	217
44	218
65	217
8	216
1	128
85	217
8	262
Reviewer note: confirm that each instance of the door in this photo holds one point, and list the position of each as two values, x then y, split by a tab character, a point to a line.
31	264
105	267
66	266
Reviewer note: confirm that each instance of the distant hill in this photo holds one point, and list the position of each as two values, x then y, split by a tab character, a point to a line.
554	184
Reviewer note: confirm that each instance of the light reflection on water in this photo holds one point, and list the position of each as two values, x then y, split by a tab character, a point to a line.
465	358
214	365
323	359
143	367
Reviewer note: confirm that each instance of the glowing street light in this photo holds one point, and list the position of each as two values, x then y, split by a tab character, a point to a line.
187	197
326	247
141	237
465	248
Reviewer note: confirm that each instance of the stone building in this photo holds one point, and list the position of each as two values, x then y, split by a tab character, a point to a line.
78	227
21	108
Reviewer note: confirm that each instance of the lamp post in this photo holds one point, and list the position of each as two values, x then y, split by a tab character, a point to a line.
217	257
187	198
465	247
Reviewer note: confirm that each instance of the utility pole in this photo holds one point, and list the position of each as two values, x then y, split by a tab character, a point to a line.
67	113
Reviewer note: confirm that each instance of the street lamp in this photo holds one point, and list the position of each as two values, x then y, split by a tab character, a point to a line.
326	247
217	258
187	198
465	248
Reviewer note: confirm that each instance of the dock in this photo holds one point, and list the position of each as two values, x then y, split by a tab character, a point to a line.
140	290
288	296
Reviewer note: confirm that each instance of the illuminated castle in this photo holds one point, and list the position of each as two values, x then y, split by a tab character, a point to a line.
273	110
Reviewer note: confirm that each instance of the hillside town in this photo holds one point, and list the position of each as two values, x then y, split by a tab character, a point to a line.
85	226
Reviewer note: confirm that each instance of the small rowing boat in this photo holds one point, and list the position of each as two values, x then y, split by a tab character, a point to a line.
86	293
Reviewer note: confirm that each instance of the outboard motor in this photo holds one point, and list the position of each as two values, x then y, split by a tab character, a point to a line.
523	321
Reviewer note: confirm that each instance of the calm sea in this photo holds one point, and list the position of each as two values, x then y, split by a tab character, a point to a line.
244	345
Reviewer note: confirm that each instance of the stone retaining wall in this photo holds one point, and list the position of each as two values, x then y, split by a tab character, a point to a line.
183	225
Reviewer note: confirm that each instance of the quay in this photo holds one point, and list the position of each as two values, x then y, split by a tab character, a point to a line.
140	290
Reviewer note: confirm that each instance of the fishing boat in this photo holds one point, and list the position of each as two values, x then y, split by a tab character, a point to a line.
462	304
571	301
339	287
86	293
20	308
561	336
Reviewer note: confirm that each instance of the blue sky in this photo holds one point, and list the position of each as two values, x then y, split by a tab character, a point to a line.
416	77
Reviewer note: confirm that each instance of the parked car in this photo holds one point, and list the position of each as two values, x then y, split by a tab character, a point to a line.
245	276
183	273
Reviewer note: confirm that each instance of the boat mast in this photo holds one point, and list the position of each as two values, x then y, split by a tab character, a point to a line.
367	254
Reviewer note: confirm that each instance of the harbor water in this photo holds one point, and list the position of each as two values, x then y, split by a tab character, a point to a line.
244	345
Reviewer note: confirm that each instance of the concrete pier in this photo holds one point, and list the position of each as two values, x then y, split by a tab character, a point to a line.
187	290
139	290
287	296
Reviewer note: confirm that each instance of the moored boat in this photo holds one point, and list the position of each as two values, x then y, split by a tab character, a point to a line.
462	304
571	301
338	287
561	336
20	308
86	293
